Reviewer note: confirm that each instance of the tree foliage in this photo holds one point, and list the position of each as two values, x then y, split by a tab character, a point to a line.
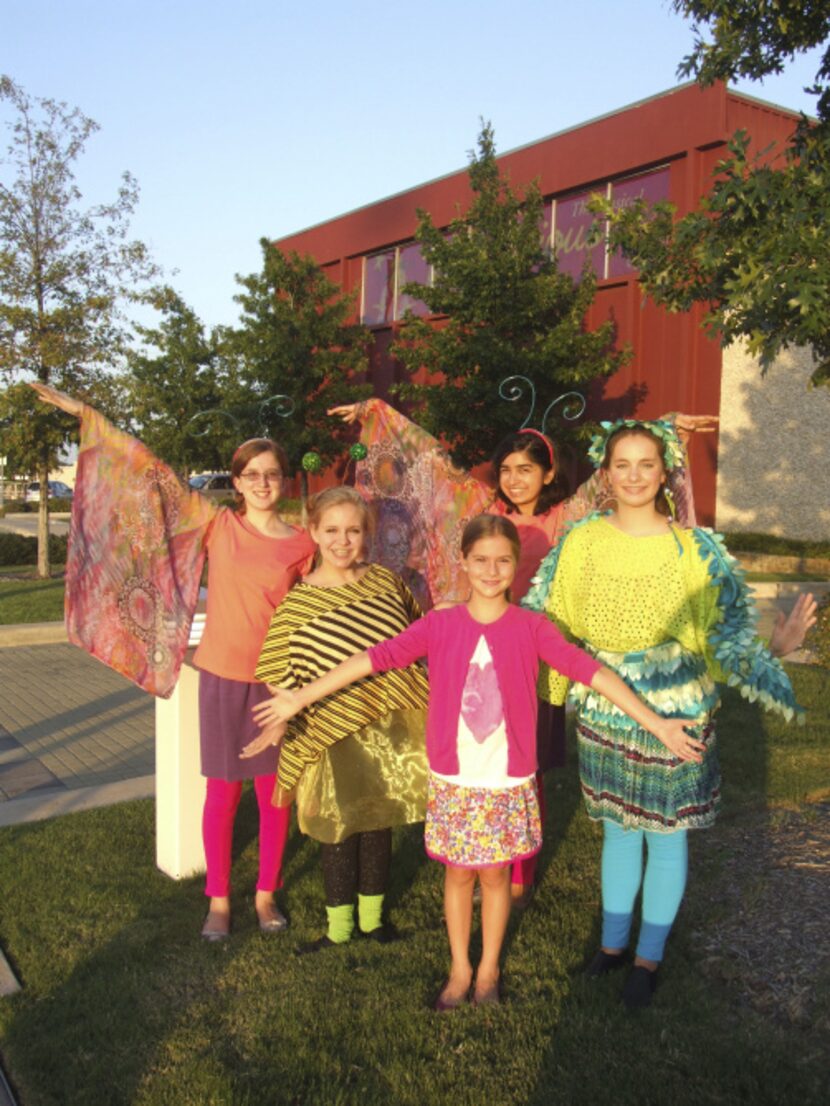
295	339
176	379
65	270
756	251
755	38
509	311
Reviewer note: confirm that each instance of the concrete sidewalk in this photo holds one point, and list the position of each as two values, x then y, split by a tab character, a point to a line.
73	733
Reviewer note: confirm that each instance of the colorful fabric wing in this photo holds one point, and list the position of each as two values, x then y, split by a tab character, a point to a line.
423	503
734	651
136	550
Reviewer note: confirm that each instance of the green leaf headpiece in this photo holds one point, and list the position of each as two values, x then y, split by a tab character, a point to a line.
674	453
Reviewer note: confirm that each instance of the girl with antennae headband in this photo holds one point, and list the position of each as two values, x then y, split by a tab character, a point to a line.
423	502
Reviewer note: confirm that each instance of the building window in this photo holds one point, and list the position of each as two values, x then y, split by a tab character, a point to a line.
566	224
651	187
378	288
411	266
384	275
572	223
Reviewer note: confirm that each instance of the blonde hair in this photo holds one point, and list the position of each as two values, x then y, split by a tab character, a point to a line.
340	497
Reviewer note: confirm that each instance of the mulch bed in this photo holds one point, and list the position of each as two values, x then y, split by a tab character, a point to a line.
761	913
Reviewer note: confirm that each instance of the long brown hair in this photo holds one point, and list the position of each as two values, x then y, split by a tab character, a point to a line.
490	526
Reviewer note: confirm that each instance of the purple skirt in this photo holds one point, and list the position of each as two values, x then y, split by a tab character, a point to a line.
226	725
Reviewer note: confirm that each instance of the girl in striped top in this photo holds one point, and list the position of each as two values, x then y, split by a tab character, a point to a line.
357	758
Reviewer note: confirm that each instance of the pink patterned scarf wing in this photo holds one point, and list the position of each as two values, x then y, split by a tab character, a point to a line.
423	503
136	551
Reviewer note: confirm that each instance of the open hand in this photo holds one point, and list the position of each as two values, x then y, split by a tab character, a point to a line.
686	425
57	399
673	732
347	412
284	704
790	630
268	737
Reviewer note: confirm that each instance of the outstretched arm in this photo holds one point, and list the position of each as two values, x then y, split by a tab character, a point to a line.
790	630
671	731
136	532
57	399
285	703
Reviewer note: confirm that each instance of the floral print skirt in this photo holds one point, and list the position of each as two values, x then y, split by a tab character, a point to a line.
476	827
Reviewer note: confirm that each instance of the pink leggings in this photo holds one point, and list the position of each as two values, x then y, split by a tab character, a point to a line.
221	801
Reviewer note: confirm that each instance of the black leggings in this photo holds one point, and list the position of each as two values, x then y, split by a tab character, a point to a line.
360	864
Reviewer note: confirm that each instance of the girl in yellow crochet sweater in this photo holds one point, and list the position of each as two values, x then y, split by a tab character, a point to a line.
668	610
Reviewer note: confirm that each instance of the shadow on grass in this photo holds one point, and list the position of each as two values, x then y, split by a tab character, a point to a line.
698	1042
125	946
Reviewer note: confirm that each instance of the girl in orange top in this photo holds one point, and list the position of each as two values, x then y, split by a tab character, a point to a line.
137	548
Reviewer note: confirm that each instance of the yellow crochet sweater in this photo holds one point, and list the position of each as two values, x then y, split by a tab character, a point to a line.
625	594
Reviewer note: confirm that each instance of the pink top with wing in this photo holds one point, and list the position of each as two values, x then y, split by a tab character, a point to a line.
517	641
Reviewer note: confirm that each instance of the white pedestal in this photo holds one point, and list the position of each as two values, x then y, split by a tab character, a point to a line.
180	786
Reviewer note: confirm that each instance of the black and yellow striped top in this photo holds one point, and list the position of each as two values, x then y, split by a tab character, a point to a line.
314	629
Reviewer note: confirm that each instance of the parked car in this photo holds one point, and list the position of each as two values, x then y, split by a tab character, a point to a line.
215	485
56	489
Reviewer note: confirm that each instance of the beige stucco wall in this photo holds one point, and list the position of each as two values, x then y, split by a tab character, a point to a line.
774	455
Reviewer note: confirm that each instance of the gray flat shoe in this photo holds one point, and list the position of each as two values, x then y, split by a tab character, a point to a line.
213	935
273	925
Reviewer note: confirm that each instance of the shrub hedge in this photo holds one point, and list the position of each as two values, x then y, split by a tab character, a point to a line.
748	542
20	507
15	549
819	638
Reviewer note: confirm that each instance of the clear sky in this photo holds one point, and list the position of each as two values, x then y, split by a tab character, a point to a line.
262	117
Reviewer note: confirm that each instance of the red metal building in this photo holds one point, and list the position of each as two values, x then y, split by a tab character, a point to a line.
662	148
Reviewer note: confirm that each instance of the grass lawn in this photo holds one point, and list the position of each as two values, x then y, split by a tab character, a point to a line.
122	1002
28	599
31	600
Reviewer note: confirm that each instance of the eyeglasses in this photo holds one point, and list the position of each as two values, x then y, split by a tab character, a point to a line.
274	476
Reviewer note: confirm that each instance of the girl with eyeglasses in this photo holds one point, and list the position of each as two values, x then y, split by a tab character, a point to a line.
137	547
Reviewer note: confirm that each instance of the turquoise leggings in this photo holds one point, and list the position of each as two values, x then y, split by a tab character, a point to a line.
663	886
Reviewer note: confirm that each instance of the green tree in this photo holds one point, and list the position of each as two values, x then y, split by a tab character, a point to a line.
756	251
509	311
755	38
175	381
65	272
295	339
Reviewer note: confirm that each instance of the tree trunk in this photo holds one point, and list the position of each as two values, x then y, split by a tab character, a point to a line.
43	565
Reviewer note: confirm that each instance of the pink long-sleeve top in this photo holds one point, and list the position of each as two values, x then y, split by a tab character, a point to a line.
517	641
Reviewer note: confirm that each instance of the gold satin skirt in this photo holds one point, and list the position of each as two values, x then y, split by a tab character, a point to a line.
373	779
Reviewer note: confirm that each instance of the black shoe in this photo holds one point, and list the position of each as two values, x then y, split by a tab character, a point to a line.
605	962
324	942
639	987
384	934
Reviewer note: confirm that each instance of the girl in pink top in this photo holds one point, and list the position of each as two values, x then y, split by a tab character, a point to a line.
136	554
482	807
423	501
